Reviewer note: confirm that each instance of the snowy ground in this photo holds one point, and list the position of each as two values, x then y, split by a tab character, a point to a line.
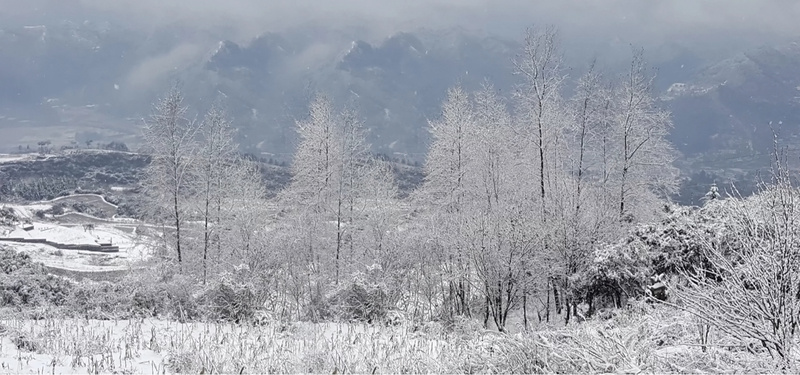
68	229
154	346
79	347
27	212
631	344
7	158
91	199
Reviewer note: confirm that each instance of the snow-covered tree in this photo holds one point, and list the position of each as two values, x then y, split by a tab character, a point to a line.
445	194
216	152
332	175
641	157
498	227
170	139
542	122
538	95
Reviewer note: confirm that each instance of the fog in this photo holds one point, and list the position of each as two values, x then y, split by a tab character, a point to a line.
695	24
187	30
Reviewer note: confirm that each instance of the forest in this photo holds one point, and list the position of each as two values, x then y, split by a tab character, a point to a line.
542	239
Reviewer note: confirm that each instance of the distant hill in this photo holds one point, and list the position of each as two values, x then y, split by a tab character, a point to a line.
84	81
732	107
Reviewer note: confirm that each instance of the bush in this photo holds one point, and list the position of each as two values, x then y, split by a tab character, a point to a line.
101	300
356	303
11	261
8	216
319	308
57	209
366	297
230	301
115	146
24	283
32	289
656	251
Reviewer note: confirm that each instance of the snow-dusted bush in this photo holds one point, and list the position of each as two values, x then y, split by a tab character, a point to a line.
750	291
8	217
367	296
225	300
100	300
24	283
656	251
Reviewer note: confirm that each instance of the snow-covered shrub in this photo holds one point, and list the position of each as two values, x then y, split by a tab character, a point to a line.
366	297
24	283
11	261
100	300
318	308
8	217
87	209
228	300
57	209
24	289
751	289
619	270
661	250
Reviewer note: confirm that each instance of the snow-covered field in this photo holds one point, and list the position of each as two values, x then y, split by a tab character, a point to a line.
75	347
153	346
122	233
625	344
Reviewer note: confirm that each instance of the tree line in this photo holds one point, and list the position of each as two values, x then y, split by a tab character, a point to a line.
518	193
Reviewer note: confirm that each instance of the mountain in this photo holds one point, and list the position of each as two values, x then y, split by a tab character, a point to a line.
82	81
397	84
730	109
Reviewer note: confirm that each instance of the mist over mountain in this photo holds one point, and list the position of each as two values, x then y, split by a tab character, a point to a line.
99	79
735	104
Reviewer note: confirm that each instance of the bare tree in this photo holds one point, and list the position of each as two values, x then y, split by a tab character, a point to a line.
445	192
216	152
642	156
498	229
314	173
332	171
171	139
246	213
229	194
585	218
539	110
538	95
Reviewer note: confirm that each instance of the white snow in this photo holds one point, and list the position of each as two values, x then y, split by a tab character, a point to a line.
6	158
81	196
84	343
55	233
27	211
123	233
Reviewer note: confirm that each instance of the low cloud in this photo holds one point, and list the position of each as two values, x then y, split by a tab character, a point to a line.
630	21
589	27
154	71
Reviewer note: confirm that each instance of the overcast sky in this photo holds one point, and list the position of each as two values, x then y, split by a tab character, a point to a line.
634	21
601	28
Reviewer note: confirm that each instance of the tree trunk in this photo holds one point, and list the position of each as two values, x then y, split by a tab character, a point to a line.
547	306
177	226
525	308
338	236
486	314
556	298
205	243
569	312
